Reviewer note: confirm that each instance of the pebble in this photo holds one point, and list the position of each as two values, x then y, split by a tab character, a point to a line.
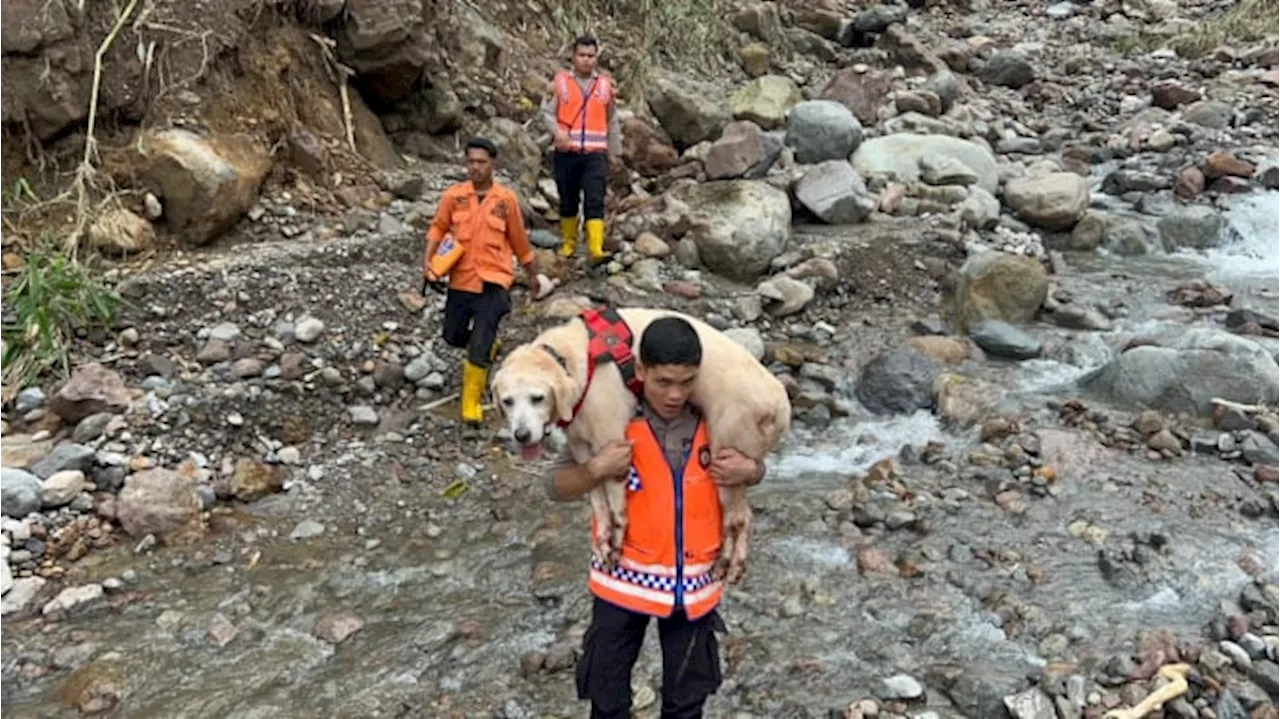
73	598
899	686
28	399
1236	654
308	330
306	529
363	415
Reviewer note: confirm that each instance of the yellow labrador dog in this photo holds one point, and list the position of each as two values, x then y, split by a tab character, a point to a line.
547	382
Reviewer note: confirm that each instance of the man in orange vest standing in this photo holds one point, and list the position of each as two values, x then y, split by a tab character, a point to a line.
672	540
580	112
477	230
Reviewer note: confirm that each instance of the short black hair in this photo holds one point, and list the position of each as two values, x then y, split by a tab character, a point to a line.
670	341
585	41
483	143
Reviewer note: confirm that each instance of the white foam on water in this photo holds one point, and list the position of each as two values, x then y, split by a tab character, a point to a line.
1252	253
852	446
1043	375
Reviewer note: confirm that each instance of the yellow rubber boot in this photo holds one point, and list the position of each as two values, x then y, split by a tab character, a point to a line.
595	240
473	379
569	231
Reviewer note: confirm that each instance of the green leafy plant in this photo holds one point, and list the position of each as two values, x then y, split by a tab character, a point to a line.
22	192
50	297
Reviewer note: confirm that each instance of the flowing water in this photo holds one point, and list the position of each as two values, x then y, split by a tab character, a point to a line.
461	605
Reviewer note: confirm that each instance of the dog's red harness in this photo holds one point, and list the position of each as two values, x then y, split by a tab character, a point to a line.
609	339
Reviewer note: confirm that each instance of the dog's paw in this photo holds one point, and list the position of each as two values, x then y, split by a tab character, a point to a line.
603	550
720	571
736	572
728	571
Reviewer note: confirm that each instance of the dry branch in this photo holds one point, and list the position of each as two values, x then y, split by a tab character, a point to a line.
340	74
85	172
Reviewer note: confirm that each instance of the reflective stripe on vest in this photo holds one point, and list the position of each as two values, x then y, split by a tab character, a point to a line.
586	120
663	563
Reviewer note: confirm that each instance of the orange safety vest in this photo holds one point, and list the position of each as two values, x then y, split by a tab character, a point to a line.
585	118
673	532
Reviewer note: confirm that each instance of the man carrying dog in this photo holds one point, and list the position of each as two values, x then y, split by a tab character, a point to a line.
673	536
580	112
481	224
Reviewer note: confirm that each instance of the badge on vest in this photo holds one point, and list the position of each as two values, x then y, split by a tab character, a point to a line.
633	480
704	457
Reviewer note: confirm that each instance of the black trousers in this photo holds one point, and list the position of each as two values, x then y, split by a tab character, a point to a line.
471	320
690	661
584	173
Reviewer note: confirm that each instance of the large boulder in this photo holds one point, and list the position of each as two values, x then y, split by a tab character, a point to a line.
384	42
738	150
1055	201
899	381
899	155
92	389
206	183
159	502
862	92
1001	339
1193	227
834	191
1007	68
821	130
739	226
761	21
1185	376
999	286
47	67
479	45
20	493
647	149
766	100
689	111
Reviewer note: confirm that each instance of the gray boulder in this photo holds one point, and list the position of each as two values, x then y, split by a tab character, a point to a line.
834	191
822	130
899	156
899	381
20	493
739	226
1185	376
1002	339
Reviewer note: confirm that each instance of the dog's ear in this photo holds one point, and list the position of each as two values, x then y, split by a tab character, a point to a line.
566	396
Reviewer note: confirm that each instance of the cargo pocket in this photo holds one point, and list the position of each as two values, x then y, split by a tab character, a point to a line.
698	675
497	239
711	648
583	670
461	224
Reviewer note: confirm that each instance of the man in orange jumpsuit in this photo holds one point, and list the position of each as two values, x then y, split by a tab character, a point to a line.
580	113
484	219
673	537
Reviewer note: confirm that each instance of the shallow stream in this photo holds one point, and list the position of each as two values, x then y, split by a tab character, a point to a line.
473	609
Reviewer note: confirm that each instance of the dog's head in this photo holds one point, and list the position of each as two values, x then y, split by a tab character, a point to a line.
533	392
